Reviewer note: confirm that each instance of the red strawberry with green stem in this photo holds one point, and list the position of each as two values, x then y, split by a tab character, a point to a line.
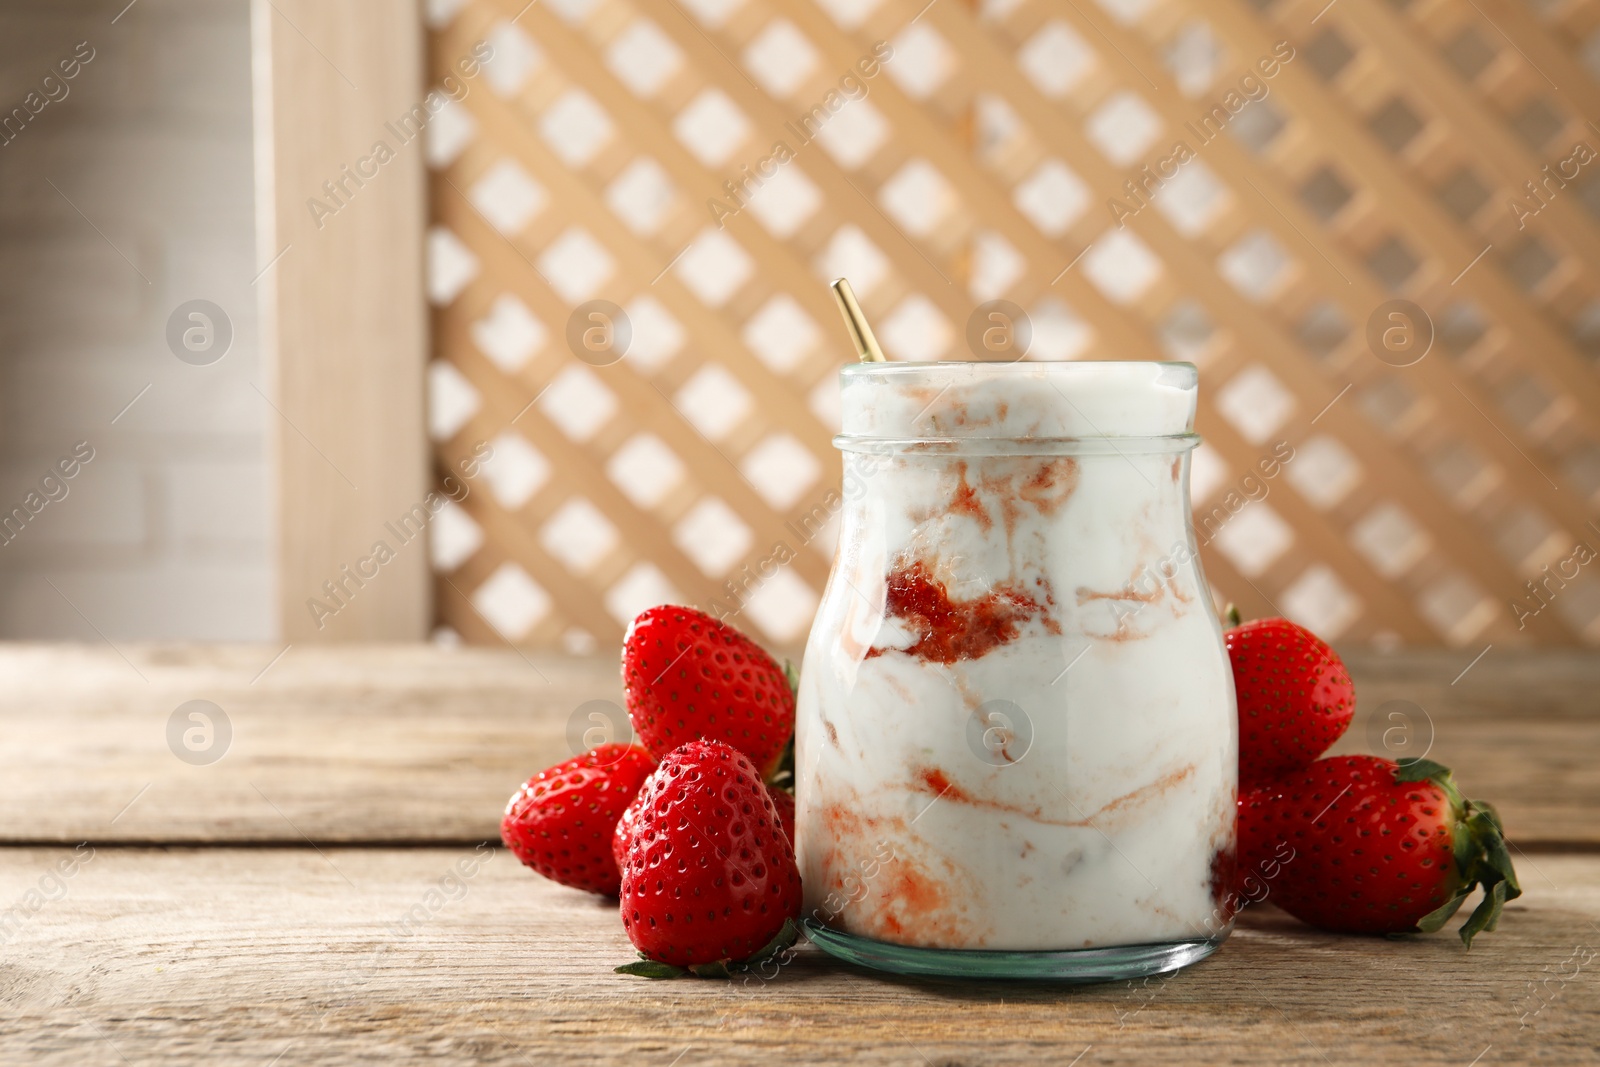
561	821
710	877
1295	697
1376	847
687	676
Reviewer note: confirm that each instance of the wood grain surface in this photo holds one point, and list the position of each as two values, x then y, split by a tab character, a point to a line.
423	745
290	956
220	914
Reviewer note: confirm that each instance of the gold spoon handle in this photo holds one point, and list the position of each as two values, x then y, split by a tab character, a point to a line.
867	346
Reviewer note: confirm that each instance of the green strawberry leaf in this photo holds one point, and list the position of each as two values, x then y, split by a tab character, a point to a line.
1435	920
1231	616
782	776
1421	770
791	674
1464	844
1496	857
786	936
651	969
1486	916
719	969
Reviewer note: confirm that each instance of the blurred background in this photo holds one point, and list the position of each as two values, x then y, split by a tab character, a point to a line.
126	195
497	322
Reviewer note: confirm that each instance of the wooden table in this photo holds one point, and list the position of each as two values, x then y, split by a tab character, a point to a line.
322	893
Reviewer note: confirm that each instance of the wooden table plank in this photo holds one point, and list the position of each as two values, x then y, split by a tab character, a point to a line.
241	955
350	743
420	744
1519	728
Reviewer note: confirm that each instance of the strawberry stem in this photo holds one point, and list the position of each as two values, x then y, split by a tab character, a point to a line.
1231	616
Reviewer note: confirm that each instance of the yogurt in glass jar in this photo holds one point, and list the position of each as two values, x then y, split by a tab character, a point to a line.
1016	751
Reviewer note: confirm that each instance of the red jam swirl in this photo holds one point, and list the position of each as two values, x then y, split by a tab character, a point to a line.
950	629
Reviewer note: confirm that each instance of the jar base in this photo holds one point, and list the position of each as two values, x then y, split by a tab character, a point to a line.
1072	966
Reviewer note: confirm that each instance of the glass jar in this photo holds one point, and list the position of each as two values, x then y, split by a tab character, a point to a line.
1016	751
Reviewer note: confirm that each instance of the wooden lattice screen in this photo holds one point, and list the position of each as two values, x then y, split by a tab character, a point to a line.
1347	244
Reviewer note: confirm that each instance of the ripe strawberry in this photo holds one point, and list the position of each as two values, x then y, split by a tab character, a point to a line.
687	676
560	822
1363	845
622	836
710	877
784	802
1295	697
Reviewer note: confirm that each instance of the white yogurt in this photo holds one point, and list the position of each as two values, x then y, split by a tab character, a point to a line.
1050	763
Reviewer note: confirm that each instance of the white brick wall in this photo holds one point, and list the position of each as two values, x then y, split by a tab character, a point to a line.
166	533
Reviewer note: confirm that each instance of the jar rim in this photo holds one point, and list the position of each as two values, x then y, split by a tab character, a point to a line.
1051	366
1018	446
1070	399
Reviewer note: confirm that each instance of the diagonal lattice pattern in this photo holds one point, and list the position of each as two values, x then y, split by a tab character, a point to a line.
1373	228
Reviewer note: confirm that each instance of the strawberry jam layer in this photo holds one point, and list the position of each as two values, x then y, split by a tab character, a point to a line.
950	629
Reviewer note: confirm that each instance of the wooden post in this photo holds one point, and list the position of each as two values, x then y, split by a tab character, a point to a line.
341	212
